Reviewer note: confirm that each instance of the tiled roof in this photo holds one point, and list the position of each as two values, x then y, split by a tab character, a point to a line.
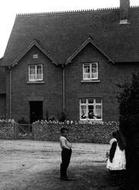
61	34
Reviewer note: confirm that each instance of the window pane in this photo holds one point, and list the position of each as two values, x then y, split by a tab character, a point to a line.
91	112
94	73
39	72
83	112
32	77
86	68
86	71
83	100
31	72
39	69
32	69
98	112
94	67
91	100
98	100
86	75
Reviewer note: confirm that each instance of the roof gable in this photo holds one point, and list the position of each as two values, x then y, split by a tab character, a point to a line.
31	45
83	45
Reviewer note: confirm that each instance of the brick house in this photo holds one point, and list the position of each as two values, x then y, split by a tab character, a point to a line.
2	91
69	62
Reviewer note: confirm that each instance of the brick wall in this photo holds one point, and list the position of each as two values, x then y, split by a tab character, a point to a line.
91	133
50	92
109	75
22	92
2	105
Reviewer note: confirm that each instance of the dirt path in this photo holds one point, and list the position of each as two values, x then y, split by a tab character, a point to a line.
34	165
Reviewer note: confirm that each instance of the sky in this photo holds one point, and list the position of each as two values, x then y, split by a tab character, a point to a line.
9	9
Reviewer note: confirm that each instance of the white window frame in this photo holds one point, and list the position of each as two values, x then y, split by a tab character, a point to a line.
94	104
90	74
35	77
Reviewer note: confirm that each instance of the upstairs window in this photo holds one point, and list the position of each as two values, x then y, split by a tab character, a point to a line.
90	109
90	71
35	72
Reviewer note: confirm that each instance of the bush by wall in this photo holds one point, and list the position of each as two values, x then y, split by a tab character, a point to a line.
92	133
50	131
7	129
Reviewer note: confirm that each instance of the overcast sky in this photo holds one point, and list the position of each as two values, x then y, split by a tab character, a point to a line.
9	9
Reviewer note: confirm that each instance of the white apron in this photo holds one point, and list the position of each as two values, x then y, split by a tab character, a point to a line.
119	159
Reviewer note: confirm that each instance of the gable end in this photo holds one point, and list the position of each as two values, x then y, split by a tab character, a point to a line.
84	44
32	44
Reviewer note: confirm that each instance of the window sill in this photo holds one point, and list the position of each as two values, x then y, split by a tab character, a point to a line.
35	82
88	81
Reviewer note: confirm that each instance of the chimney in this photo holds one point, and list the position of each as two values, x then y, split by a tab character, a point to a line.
124	7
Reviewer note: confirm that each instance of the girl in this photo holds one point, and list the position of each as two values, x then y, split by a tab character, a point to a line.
116	162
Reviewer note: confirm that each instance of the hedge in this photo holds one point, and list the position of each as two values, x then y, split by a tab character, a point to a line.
90	133
7	129
50	131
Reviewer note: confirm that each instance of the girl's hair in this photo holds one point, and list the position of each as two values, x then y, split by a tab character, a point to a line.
120	139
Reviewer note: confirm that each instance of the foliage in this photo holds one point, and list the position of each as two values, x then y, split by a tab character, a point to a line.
78	132
129	106
71	122
22	121
3	121
62	117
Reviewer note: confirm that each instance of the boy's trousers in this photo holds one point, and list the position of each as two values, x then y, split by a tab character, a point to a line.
65	155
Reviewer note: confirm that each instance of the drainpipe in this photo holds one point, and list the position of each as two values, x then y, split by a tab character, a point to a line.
10	95
63	87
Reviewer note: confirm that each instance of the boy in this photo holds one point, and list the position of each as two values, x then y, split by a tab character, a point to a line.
65	153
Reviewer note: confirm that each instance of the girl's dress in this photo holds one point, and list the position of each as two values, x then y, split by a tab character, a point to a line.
119	159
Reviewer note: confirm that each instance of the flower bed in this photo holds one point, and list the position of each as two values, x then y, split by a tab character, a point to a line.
78	132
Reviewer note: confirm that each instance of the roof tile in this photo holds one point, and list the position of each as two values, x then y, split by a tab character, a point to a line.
62	33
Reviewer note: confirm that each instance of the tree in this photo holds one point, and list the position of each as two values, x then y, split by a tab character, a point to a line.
129	125
129	106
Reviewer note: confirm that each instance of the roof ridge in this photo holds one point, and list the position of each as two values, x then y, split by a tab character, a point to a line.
67	11
134	6
107	8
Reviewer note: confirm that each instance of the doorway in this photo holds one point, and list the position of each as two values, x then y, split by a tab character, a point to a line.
36	111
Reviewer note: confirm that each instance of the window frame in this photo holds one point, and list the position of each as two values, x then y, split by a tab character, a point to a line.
35	78
87	104
90	73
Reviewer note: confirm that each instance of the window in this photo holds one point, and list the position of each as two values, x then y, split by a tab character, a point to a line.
90	71
90	109
35	72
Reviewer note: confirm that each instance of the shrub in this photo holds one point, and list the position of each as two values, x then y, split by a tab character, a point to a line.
78	132
129	106
62	117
